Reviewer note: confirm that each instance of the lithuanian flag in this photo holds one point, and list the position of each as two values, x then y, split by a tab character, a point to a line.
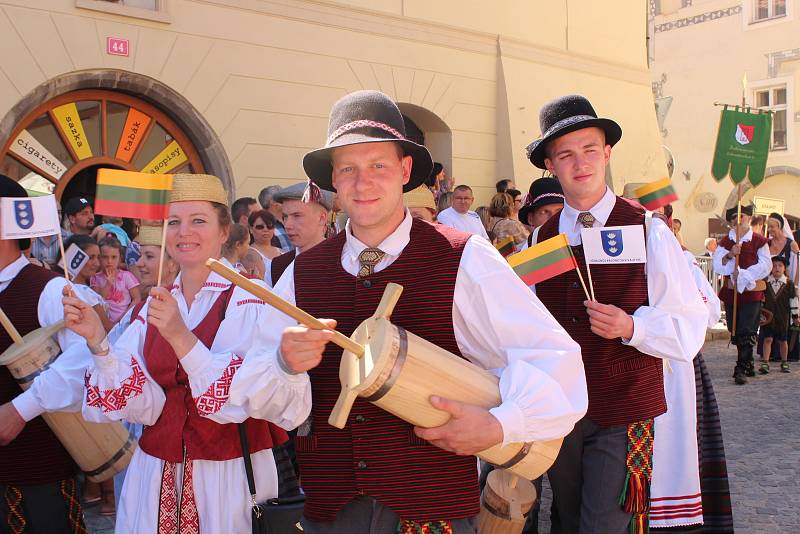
138	195
656	194
544	260
505	246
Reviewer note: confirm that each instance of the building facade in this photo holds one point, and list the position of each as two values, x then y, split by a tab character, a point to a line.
242	88
707	52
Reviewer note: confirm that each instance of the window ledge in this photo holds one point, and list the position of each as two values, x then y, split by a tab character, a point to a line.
768	19
126	11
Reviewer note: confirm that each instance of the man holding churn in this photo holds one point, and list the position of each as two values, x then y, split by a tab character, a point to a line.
643	314
379	474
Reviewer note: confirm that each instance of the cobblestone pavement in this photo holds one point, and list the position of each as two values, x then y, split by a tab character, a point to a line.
761	425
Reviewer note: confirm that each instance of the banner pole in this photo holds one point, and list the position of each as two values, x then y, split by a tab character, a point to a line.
736	256
161	254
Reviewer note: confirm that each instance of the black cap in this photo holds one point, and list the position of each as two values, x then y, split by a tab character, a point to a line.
10	188
76	204
730	213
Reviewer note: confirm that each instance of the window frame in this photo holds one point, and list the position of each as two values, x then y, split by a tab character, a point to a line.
771	85
770	9
159	14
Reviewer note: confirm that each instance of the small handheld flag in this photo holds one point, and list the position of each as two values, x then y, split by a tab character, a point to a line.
76	260
614	244
505	246
544	260
137	195
28	217
656	194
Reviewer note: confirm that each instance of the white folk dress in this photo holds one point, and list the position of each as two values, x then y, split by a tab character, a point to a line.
230	382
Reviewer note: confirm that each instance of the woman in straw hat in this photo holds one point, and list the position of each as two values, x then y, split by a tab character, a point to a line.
189	368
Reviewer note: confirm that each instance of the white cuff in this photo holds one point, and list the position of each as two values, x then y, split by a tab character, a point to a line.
196	360
512	419
639	332
26	405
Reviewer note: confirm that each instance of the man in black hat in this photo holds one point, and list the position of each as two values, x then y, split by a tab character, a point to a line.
37	475
380	474
545	199
643	313
754	265
80	215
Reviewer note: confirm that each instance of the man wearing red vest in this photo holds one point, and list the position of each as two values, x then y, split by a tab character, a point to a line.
379	474
38	490
643	314
755	264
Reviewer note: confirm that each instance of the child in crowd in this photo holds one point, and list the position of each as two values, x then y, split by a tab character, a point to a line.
236	246
780	298
118	287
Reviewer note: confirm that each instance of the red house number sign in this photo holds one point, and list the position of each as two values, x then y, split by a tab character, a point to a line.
117	47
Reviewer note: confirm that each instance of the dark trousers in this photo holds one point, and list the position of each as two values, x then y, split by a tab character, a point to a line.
365	515
44	508
587	479
748	315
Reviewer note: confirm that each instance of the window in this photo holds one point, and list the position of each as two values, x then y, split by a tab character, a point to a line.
143	9
768	9
774	99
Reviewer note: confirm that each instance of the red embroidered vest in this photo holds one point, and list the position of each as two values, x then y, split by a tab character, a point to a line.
378	454
748	257
35	456
280	264
179	423
624	384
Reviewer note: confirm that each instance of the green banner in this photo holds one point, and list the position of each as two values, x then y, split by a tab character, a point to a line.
742	146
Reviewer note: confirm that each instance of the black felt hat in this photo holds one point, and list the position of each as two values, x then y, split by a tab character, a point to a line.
564	115
366	117
730	213
542	192
10	188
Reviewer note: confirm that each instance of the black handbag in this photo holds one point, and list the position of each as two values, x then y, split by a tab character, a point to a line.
280	515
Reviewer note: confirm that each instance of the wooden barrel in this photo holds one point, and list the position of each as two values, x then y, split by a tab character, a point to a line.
399	372
506	502
101	450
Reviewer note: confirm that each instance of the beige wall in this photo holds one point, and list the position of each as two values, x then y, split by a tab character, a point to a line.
704	62
264	74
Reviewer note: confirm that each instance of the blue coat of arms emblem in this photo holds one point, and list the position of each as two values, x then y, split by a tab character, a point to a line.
23	213
612	242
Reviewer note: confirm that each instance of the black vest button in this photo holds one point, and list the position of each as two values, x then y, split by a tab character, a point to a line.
574	319
367	284
362	464
360	419
574	285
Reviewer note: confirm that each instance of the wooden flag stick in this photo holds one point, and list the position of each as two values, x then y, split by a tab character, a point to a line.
161	254
580	276
289	309
10	328
591	285
63	256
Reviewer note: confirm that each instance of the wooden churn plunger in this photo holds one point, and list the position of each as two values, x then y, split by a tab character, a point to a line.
399	372
101	450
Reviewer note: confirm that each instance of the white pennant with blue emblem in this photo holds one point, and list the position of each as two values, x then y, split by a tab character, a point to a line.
614	244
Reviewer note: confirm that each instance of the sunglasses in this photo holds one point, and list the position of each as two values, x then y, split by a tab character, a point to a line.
262	226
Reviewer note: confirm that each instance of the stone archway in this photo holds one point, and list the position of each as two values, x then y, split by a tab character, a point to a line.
438	136
92	96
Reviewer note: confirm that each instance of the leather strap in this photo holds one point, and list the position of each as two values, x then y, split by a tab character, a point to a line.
248	464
